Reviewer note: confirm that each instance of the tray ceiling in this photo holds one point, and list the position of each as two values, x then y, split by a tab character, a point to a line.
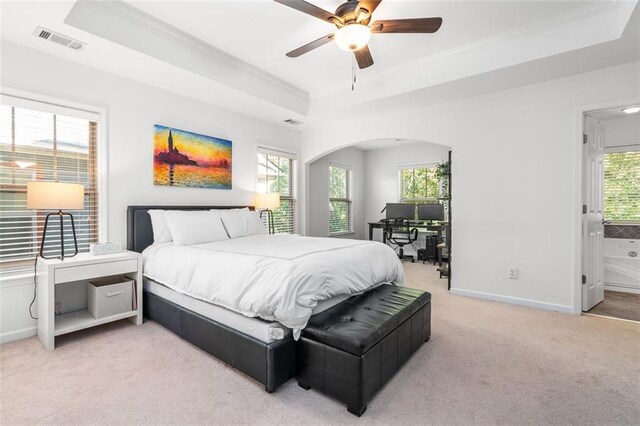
232	53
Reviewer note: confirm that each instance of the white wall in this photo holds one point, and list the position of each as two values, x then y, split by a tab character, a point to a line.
133	108
318	192
516	179
622	132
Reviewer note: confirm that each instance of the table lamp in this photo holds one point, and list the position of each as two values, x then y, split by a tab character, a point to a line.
56	196
267	203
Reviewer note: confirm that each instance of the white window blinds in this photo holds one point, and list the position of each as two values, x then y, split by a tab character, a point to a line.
340	199
622	186
37	144
278	172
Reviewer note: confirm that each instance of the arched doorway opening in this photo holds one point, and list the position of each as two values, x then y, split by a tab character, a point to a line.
348	190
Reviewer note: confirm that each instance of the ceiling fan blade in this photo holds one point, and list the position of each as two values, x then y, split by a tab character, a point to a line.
370	5
419	25
310	46
363	57
310	9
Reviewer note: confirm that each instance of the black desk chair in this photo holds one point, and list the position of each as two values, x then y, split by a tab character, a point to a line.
400	233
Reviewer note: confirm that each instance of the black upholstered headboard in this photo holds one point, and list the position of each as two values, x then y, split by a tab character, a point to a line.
139	230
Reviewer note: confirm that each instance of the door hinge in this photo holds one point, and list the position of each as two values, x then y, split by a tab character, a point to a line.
585	138
584	279
584	209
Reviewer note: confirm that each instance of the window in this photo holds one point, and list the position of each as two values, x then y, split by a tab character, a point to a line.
340	201
418	184
39	145
622	186
277	172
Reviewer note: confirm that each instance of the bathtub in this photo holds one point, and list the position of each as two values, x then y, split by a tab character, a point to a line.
622	264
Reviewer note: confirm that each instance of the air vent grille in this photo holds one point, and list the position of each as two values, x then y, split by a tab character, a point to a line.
293	122
75	45
58	38
44	34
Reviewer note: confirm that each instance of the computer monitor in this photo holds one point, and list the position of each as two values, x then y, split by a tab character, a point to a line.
407	211
430	212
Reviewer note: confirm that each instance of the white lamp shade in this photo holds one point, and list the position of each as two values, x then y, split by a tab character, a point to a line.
55	196
268	201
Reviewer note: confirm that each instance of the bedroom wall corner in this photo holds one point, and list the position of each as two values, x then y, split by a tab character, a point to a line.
515	195
132	109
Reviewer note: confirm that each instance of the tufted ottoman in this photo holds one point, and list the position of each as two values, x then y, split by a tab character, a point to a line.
352	349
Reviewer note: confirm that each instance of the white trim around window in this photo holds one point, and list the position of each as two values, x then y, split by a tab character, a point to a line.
292	198
410	166
348	200
64	107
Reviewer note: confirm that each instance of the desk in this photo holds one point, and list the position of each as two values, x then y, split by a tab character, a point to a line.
420	225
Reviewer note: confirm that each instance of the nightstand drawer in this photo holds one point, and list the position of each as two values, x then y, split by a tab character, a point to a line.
95	270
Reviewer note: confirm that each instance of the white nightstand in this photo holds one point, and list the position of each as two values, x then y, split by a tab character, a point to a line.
66	282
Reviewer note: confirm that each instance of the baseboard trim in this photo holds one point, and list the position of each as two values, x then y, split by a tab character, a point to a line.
12	336
512	300
621	288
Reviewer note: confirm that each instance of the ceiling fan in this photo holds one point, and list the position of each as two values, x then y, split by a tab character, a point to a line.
353	20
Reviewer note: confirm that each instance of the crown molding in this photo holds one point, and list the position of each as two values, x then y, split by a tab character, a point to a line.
113	19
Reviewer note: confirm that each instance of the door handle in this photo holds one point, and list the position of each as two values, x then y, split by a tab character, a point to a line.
606	222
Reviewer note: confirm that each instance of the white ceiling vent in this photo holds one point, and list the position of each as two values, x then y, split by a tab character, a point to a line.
293	122
58	38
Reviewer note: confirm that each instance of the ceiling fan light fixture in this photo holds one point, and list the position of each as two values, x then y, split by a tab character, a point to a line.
352	37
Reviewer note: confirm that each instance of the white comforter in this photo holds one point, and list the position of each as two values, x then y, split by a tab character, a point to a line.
275	277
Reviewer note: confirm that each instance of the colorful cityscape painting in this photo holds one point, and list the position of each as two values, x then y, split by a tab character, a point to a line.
182	158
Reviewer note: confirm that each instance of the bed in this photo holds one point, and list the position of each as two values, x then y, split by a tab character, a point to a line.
226	298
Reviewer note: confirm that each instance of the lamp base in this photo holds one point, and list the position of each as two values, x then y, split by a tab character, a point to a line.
61	216
272	227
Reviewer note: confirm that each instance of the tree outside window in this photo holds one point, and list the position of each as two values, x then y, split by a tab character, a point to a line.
277	172
418	185
622	187
340	201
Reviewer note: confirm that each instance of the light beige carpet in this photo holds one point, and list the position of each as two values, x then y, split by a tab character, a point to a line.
486	363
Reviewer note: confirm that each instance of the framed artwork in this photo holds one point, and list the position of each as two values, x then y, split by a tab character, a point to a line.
182	158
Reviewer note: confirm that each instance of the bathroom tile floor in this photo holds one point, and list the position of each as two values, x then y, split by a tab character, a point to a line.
617	304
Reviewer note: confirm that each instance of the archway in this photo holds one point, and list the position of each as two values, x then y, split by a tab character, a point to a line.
349	186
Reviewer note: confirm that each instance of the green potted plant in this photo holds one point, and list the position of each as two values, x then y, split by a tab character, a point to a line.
443	170
442	173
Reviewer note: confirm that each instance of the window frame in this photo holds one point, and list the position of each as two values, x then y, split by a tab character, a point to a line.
348	199
401	168
293	183
35	101
617	150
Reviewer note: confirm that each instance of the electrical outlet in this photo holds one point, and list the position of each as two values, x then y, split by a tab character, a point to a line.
512	273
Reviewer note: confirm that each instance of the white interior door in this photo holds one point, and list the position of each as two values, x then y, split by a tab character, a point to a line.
593	217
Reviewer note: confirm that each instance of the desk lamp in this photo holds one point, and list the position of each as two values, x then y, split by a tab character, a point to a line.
267	203
56	196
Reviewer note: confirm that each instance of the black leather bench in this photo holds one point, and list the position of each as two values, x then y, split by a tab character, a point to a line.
351	350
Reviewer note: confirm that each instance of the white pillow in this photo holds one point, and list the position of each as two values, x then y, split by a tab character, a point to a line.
255	226
230	210
161	232
240	223
195	227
